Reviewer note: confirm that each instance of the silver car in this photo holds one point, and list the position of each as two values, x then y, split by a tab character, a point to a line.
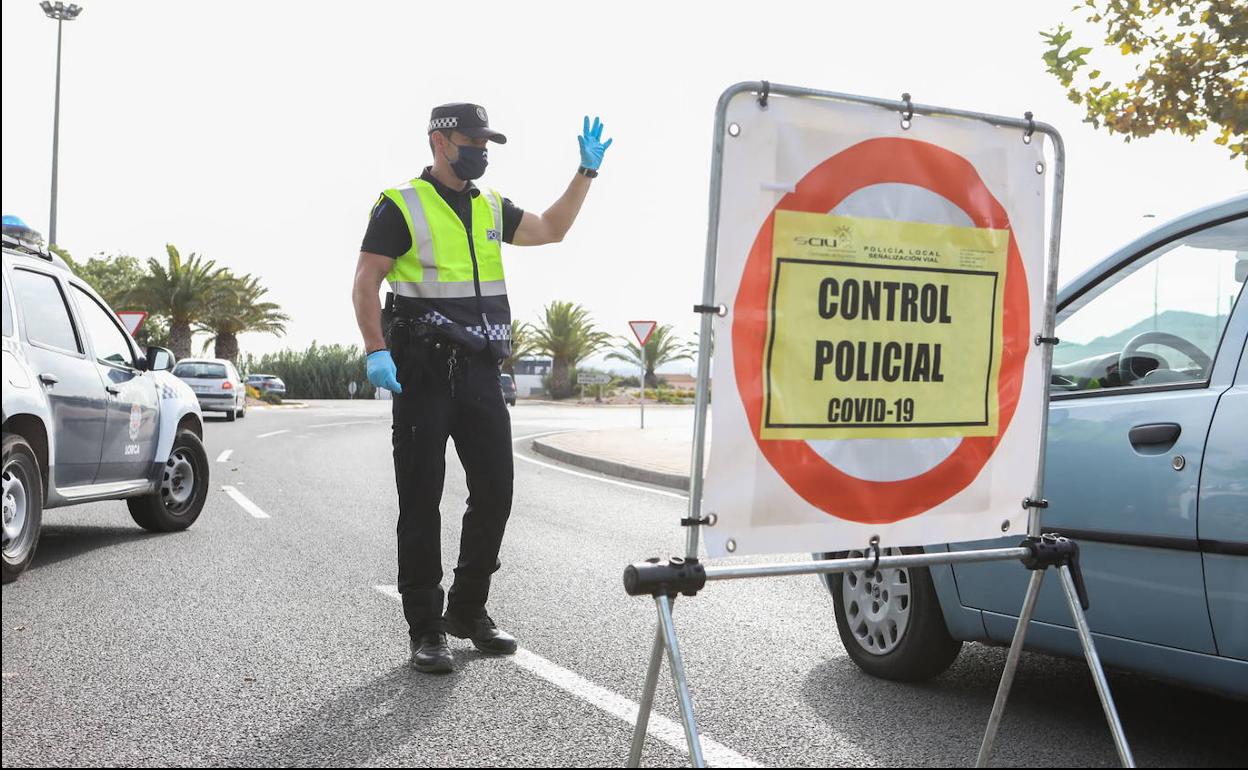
88	414
216	384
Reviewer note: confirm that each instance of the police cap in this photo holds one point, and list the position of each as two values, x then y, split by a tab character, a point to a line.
468	119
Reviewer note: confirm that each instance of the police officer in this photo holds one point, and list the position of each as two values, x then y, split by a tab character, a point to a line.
437	346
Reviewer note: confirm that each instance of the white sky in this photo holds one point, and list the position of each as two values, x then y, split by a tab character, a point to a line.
259	134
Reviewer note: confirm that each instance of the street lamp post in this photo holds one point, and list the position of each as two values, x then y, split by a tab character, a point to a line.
62	13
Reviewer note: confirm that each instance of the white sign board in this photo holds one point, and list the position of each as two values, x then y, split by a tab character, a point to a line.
875	373
592	379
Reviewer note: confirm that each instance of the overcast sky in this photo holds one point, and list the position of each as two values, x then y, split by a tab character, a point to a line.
259	134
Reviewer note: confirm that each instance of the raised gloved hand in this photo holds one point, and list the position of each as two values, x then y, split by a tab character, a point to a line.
592	146
381	371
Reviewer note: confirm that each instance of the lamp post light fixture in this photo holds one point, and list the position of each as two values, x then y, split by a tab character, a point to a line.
61	13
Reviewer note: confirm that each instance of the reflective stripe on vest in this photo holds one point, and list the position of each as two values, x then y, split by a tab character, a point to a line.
439	264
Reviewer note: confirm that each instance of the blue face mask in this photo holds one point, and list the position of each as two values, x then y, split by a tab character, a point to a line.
472	162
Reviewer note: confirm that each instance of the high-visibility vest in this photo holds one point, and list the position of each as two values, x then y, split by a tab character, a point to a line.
449	278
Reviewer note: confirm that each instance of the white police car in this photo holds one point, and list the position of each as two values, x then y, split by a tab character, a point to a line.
87	415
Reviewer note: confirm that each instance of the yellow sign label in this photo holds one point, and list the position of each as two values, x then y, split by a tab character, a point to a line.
882	329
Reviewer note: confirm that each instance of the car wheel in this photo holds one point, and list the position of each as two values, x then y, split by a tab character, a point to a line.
183	489
890	621
23	505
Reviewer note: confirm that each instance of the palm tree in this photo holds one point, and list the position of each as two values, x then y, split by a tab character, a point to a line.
568	335
663	347
522	343
180	290
234	308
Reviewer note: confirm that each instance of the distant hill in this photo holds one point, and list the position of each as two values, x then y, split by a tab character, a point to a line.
1204	331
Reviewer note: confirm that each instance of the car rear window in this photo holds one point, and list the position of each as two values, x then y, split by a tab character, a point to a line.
204	370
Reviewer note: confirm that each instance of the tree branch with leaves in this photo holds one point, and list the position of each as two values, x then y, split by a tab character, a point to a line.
1189	62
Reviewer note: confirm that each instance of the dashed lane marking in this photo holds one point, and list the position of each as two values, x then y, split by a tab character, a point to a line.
244	503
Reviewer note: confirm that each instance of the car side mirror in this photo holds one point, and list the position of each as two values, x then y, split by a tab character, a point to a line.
160	359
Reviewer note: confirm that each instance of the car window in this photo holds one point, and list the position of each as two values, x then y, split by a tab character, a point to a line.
43	306
205	369
111	344
8	311
1158	320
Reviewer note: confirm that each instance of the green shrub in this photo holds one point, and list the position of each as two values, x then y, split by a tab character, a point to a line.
321	371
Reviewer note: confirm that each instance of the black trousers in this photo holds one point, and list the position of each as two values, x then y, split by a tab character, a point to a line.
456	395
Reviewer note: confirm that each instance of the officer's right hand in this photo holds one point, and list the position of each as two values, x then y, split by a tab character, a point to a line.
381	371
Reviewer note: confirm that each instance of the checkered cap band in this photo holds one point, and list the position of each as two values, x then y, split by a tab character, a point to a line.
441	123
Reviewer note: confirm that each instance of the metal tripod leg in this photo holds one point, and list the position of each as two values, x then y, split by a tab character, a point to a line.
1011	665
1098	673
678	680
647	700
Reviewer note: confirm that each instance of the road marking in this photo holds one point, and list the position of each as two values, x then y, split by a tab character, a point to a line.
353	422
246	504
224	457
660	727
272	433
624	484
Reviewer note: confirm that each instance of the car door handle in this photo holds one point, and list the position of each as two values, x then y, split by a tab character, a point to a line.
112	390
48	378
1155	433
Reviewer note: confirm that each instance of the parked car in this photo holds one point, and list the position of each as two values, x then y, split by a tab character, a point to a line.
267	383
216	384
1147	469
508	384
88	416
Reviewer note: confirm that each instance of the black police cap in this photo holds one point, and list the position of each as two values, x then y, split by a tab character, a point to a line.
468	119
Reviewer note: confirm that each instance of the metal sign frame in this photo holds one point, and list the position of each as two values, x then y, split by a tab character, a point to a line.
663	581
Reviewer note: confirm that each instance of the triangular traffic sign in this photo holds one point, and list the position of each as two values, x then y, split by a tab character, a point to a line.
643	329
132	320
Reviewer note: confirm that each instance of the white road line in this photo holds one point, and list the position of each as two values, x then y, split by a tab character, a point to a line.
624	484
225	456
660	727
571	472
272	433
246	504
351	422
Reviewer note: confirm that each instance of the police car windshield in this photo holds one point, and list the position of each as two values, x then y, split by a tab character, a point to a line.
196	369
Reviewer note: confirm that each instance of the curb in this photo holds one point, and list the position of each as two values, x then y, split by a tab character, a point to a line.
612	468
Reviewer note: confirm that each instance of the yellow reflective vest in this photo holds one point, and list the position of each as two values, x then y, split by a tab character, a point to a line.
449	278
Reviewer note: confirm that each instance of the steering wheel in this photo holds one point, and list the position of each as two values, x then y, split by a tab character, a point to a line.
1173	341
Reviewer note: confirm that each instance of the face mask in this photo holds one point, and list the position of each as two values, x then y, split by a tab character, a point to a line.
472	162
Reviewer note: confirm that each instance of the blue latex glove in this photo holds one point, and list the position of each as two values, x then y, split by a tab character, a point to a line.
592	146
381	371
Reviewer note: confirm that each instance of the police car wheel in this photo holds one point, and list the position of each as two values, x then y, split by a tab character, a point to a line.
23	505
181	491
890	621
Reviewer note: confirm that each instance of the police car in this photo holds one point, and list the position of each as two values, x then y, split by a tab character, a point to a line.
88	416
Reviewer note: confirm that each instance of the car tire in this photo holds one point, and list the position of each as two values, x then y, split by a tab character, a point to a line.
242	412
231	415
23	505
176	503
890	621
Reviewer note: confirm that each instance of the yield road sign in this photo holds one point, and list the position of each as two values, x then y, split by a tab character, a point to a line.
132	320
642	330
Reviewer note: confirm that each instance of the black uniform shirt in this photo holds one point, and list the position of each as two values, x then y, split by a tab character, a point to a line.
389	235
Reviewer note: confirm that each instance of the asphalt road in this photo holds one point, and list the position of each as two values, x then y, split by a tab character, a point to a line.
275	641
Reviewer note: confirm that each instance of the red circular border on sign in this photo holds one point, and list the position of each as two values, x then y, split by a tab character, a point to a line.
880	161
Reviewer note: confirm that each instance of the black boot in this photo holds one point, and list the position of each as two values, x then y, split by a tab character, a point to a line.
481	630
430	655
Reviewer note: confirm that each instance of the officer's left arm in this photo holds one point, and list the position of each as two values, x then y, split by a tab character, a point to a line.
556	221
